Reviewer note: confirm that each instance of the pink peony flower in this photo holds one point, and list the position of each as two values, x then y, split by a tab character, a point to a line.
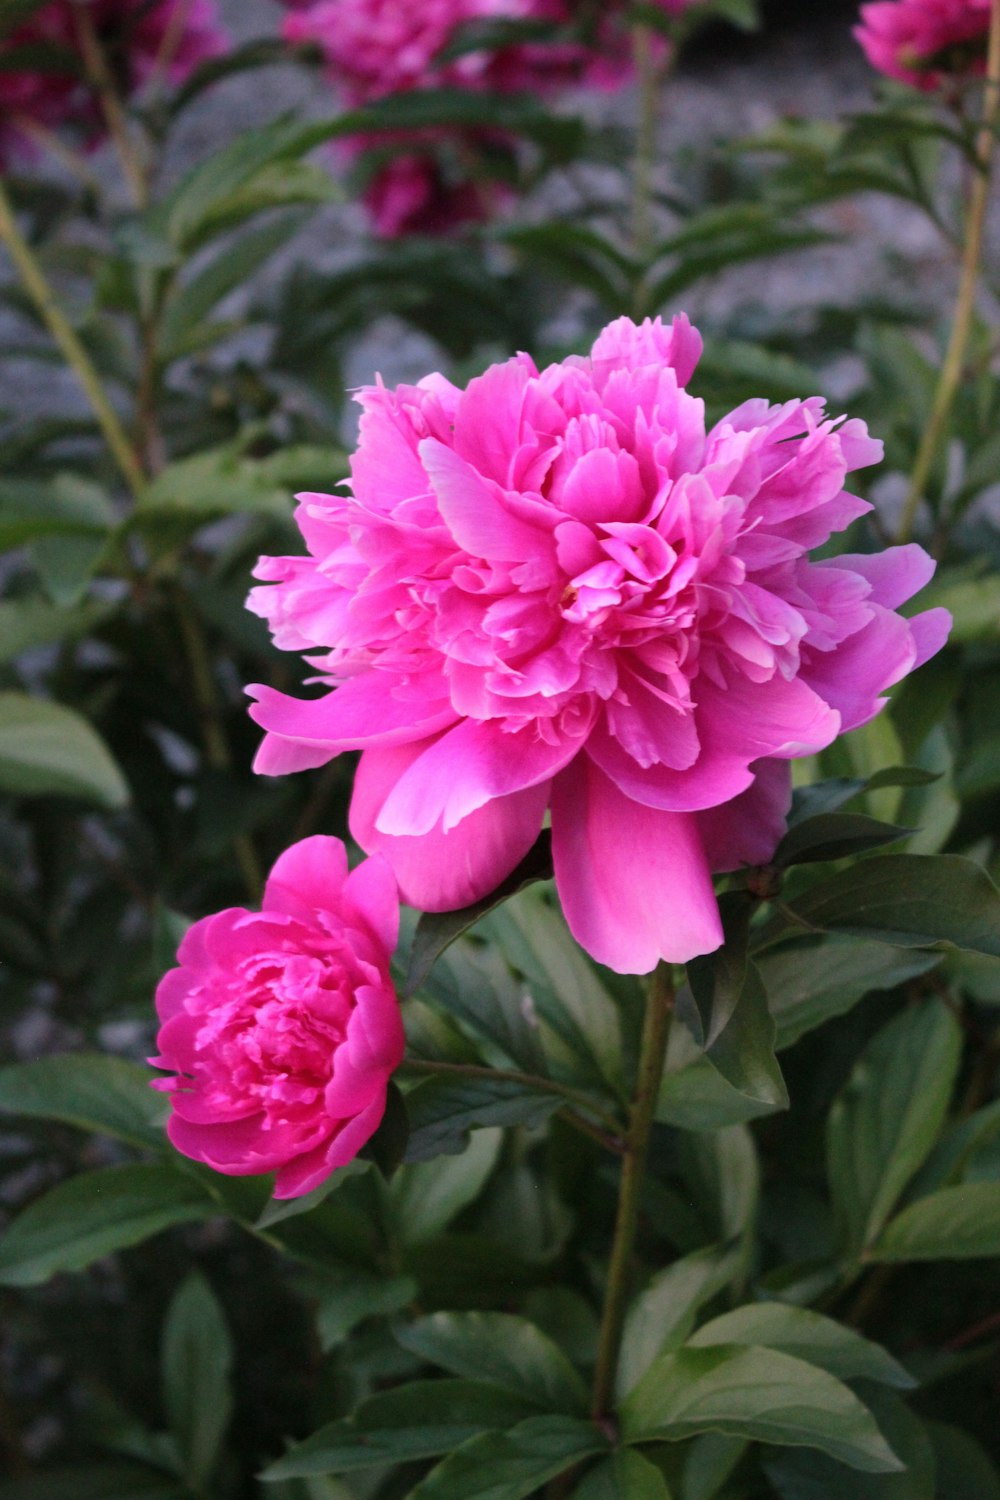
414	194
282	1027
554	592
139	38
923	42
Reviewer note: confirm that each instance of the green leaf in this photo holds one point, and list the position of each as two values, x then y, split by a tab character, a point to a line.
420	1420
623	1476
28	623
744	1050
477	988
197	1366
215	483
807	1335
957	1223
888	1115
511	1465
232	267
802	1475
582	1021
426	1197
662	1316
387	1147
809	986
834	835
969	1470
911	900
67	507
502	1349
717	980
94	1214
350	1296
708	1463
443	1110
758	1394
106	1095
436	931
49	750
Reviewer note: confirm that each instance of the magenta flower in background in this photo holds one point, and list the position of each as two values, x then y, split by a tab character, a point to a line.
924	42
282	1027
373	49
140	39
554	592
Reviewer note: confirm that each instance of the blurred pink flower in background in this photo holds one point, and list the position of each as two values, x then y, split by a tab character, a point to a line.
141	40
373	49
924	42
554	592
282	1027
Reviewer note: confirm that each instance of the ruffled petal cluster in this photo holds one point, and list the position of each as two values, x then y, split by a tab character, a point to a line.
281	1028
925	42
140	39
555	593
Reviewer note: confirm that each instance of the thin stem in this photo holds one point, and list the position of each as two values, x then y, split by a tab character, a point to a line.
648	72
529	1080
954	360
49	141
659	1006
65	336
102	79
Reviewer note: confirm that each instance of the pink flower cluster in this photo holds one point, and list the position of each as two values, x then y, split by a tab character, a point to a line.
281	1028
140	39
555	594
925	42
376	48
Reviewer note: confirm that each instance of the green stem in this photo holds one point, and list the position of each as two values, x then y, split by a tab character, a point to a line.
954	360
528	1080
102	80
652	1054
648	74
65	336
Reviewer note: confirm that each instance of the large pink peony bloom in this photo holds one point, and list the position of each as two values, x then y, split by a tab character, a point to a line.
554	592
923	42
139	38
282	1027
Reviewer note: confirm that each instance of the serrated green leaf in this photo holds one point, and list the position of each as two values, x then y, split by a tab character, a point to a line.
758	1394
106	1095
94	1214
47	749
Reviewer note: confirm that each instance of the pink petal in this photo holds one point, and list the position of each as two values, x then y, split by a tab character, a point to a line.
313	1167
371	891
467	767
634	883
307	878
895	575
440	871
373	709
473	511
930	632
747	830
852	678
373	1047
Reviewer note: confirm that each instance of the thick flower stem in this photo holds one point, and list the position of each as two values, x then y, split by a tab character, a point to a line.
659	1007
62	331
954	361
